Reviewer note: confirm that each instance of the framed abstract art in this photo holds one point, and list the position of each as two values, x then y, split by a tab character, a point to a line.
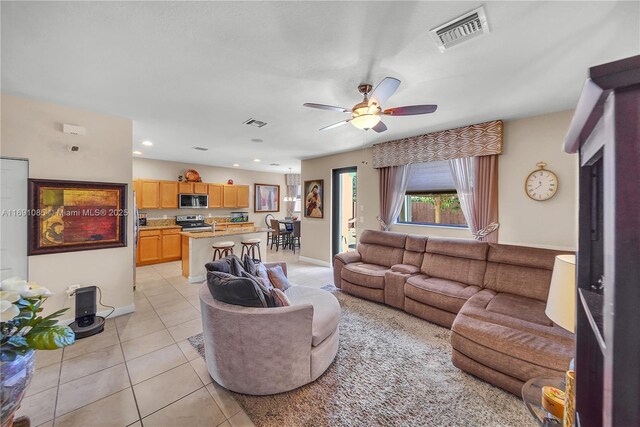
67	216
266	198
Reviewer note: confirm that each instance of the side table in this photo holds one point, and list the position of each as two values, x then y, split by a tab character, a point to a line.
532	398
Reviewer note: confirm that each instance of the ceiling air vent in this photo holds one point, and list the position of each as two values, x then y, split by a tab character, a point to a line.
256	123
466	27
200	148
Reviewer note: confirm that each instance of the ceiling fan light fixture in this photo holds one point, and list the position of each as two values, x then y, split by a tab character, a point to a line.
365	116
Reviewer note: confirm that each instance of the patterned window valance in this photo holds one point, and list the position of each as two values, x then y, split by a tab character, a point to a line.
292	178
482	139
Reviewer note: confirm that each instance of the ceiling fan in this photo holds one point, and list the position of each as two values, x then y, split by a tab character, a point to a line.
367	114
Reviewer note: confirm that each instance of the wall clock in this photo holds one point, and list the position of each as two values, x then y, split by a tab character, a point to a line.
541	184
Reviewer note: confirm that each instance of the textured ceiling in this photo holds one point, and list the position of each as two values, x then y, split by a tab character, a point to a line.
190	73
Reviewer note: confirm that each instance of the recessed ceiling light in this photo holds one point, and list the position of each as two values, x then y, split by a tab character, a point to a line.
137	152
257	140
147	143
256	160
235	165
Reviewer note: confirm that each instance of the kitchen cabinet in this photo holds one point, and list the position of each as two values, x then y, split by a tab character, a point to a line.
243	196
171	240
149	247
137	189
215	195
156	246
149	194
169	194
230	196
199	188
185	187
193	188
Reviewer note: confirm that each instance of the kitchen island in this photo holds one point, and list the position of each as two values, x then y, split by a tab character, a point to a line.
197	251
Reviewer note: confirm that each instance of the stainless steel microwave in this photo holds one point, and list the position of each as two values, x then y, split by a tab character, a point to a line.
193	201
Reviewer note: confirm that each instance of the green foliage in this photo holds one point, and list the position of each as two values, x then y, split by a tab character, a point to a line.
447	201
28	331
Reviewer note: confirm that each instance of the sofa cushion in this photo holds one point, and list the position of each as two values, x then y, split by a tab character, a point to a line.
414	250
277	278
458	260
235	290
405	268
519	307
326	310
495	327
441	293
367	275
381	247
520	270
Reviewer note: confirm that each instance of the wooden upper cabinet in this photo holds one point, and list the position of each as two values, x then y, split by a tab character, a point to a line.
185	188
149	194
169	194
215	195
199	188
230	197
138	192
243	196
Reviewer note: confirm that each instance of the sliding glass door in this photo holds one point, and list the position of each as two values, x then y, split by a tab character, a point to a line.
344	210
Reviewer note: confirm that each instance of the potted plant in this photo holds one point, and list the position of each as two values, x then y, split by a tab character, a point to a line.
22	331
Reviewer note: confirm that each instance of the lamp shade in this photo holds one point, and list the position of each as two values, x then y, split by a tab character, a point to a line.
561	304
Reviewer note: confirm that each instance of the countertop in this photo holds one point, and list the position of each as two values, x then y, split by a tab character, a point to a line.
209	234
158	227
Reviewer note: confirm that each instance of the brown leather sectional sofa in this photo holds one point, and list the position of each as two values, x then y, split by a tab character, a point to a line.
492	297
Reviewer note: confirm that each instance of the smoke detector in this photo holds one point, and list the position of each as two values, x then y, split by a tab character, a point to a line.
461	29
200	148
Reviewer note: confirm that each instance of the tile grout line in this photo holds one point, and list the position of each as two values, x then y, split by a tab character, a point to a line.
126	367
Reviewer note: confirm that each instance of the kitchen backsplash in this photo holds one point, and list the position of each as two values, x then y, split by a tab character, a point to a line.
172	221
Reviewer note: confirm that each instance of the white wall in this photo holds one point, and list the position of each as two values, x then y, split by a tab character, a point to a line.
165	170
549	224
33	130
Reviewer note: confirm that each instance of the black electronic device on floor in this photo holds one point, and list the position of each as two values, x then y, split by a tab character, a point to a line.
87	323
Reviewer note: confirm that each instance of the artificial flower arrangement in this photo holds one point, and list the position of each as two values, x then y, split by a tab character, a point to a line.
21	329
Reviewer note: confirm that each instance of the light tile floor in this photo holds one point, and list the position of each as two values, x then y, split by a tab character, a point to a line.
142	371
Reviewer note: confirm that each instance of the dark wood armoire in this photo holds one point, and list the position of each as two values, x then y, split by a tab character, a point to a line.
605	131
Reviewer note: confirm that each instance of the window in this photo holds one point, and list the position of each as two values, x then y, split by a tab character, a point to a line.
431	198
298	200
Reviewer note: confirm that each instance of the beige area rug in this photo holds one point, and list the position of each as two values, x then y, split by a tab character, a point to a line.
392	369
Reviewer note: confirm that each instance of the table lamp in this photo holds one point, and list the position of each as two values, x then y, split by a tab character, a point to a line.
561	309
561	304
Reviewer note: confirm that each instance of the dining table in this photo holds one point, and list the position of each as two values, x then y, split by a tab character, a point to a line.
288	225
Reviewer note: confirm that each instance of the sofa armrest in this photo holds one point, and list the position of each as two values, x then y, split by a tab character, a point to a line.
281	264
405	268
348	257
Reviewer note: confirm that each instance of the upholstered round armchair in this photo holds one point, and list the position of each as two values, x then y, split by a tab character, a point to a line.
262	351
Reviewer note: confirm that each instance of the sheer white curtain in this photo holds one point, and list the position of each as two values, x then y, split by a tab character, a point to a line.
476	181
393	184
463	174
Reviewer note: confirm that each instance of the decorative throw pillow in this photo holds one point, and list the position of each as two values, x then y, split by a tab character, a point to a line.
261	271
235	264
264	287
221	265
250	266
278	278
280	299
235	290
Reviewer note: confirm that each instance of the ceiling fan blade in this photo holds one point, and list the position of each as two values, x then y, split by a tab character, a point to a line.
384	90
380	127
326	107
335	125
410	110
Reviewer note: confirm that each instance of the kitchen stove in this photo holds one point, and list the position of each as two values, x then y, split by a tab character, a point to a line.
192	223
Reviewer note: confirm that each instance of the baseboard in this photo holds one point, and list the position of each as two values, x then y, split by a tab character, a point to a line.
119	311
314	261
196	279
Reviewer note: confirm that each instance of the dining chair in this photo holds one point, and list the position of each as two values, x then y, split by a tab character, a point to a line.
279	236
295	236
267	220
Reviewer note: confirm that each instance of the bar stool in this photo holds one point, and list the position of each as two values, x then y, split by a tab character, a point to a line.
250	246
222	249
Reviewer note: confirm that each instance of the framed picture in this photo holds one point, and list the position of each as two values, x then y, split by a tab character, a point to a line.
66	216
313	201
266	198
